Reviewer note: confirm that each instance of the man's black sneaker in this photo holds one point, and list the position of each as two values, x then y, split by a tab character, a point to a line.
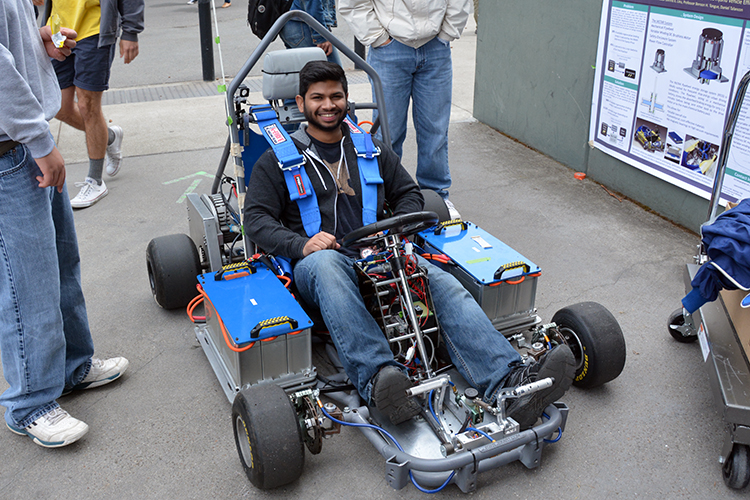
559	364
389	395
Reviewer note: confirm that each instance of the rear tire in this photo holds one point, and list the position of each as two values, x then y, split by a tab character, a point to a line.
433	202
268	436
173	265
595	338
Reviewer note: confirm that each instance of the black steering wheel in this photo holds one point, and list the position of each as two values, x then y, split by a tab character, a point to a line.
400	225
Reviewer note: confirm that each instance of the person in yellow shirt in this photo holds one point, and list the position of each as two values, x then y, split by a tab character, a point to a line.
85	76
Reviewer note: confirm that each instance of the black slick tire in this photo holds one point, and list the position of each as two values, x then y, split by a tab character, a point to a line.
173	263
268	436
433	202
595	338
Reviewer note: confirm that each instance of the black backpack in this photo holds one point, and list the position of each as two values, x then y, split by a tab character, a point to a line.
261	14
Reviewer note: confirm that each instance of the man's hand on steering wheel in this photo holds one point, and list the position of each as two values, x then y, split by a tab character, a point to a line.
320	241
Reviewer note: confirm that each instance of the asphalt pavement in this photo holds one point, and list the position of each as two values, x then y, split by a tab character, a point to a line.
164	429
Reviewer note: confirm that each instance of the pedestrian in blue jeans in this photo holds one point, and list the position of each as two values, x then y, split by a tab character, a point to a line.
325	276
298	34
45	341
410	51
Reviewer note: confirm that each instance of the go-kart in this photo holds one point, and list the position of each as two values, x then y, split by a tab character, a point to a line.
261	342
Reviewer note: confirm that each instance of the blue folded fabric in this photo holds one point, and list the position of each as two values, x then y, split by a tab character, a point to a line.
727	243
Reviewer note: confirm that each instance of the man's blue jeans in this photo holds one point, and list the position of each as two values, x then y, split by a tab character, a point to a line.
45	340
424	75
480	353
296	34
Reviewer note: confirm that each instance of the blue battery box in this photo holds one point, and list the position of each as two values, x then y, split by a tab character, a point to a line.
253	304
255	330
501	280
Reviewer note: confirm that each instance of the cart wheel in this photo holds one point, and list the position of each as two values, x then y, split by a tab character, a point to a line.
173	265
736	469
268	436
677	320
596	340
433	202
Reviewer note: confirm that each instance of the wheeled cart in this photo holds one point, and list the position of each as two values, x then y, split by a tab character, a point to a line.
723	329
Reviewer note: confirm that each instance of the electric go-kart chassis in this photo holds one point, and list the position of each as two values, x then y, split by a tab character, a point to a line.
258	339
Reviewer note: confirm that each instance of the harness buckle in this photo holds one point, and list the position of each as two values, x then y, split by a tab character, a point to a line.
291	167
375	152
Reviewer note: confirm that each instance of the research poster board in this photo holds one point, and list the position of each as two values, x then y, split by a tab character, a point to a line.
666	76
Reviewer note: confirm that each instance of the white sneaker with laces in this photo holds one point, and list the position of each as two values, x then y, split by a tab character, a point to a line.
90	193
53	429
103	371
452	210
114	151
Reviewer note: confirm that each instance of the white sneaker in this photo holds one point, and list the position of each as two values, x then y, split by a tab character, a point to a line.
103	371
90	193
452	210
53	429
114	151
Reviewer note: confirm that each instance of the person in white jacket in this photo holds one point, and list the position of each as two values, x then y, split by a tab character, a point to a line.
410	50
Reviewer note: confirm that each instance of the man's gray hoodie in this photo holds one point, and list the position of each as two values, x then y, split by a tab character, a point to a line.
28	85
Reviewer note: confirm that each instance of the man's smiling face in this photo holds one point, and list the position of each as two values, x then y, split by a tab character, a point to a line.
324	106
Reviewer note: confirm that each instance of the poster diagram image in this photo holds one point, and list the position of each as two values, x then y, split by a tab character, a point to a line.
700	156
673	150
707	64
648	136
651	102
618	68
614	133
658	65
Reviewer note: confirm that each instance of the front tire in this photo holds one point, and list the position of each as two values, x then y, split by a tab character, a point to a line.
268	436
595	338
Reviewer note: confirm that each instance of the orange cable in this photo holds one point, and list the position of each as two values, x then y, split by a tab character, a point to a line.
195	302
224	328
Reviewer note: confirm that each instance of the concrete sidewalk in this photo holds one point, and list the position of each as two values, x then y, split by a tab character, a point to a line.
164	430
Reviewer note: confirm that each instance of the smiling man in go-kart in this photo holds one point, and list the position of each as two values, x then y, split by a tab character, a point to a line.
325	276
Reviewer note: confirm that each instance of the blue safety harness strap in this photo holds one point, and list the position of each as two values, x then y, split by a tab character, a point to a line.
369	173
292	163
298	182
